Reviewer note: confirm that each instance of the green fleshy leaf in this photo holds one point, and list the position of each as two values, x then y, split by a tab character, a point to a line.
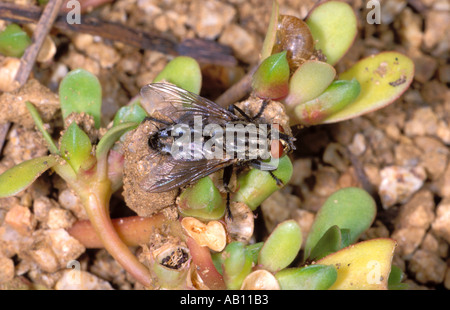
271	79
40	125
383	78
336	97
19	177
256	185
111	136
269	39
75	147
254	249
203	200
251	249
314	277
281	247
349	208
236	265
14	41
329	243
345	238
80	91
217	260
396	276
184	72
334	27
309	81
131	113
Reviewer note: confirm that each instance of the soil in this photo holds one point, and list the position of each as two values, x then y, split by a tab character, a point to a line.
400	154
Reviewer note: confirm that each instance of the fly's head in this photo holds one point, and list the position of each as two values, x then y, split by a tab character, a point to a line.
283	144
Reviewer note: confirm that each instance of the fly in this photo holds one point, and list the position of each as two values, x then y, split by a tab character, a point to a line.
196	137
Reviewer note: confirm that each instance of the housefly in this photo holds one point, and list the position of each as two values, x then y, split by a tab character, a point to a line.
196	137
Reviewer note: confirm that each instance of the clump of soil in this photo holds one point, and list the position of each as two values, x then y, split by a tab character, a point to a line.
140	163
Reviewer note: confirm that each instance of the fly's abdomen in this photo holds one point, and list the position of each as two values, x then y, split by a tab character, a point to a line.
241	141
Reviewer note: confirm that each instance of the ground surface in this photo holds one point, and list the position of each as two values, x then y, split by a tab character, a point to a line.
400	154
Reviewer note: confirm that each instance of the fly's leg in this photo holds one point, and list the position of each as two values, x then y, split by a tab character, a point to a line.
232	109
150	118
261	110
259	165
227	174
279	182
264	104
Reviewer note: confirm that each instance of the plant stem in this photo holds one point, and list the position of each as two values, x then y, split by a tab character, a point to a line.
201	257
96	201
238	90
40	126
133	230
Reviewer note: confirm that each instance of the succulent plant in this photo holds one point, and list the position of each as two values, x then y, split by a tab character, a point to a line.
205	248
309	89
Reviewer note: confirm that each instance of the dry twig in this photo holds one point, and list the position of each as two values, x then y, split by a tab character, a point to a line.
43	27
4	128
205	51
237	91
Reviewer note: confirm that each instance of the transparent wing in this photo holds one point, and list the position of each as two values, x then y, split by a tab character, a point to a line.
181	105
170	173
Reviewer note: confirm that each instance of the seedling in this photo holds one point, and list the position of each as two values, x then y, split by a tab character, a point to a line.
87	170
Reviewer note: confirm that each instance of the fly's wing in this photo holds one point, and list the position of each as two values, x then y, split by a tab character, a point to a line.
169	173
181	105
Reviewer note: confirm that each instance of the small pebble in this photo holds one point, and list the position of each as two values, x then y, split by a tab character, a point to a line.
6	269
399	183
427	267
441	224
21	219
81	280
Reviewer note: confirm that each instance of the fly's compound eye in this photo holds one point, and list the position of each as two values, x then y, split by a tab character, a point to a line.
276	149
276	146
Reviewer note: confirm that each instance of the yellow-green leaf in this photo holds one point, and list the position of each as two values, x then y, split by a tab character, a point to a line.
81	91
281	247
333	25
256	185
383	78
75	146
309	81
271	80
184	72
335	98
18	178
362	266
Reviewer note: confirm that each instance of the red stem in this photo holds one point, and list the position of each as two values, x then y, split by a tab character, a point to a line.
96	204
201	257
133	230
